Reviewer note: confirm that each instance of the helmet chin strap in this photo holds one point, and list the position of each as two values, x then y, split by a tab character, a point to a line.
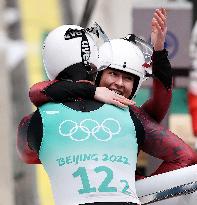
135	86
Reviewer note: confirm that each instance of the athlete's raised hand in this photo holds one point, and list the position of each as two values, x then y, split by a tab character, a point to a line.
159	29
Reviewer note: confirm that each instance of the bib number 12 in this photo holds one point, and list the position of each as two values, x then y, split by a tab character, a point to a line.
104	186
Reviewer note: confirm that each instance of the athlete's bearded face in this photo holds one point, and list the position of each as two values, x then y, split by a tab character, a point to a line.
118	81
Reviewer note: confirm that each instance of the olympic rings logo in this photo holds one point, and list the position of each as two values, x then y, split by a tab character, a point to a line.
109	126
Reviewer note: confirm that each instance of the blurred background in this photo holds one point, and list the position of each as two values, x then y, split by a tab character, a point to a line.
23	26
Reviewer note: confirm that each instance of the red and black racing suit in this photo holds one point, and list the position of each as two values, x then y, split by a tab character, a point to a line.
158	141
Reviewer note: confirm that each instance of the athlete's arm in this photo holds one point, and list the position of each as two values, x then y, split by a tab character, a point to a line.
35	132
165	145
161	96
60	91
157	106
25	152
64	91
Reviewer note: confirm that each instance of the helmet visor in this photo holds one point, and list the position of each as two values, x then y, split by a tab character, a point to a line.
144	46
146	49
100	38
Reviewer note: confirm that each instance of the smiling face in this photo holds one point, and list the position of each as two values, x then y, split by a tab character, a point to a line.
118	81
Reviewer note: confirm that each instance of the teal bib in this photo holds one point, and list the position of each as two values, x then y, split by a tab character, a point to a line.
87	154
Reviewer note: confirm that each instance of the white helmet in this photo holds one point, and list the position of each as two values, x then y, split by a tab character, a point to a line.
66	46
127	57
